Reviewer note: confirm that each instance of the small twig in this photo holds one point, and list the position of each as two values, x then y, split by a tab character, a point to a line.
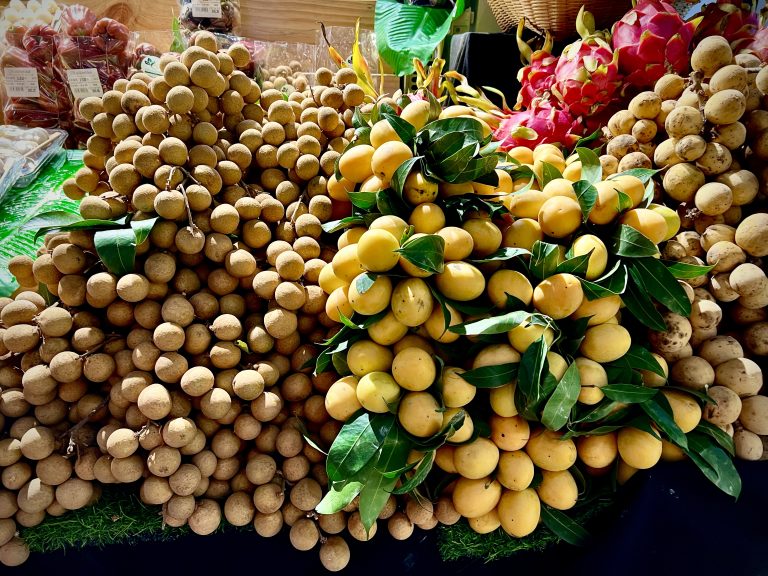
83	422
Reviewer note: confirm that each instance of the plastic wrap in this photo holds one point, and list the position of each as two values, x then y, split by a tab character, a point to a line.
214	15
77	20
10	168
24	152
287	61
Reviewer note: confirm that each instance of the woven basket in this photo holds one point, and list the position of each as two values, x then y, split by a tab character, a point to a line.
556	16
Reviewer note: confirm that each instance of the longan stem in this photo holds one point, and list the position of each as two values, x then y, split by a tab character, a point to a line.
82	423
186	203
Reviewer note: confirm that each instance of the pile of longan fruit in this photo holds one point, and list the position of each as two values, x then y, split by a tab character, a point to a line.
189	375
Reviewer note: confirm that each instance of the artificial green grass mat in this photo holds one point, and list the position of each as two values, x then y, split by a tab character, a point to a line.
460	542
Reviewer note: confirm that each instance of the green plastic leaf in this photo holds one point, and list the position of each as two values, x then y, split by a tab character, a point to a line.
425	252
422	470
491	376
563	526
51	220
661	413
628	393
718	434
338	499
683	271
91	224
638	358
496	325
358	442
377	488
661	284
545	258
631	243
406	31
364	282
640	305
502	255
586	194
714	463
563	399
591	169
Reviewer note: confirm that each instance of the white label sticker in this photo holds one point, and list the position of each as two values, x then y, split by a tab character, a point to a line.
85	83
151	65
21	82
206	8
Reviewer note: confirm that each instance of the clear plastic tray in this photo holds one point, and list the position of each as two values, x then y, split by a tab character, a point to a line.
33	146
10	168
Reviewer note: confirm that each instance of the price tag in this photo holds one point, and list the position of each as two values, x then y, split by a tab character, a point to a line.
206	9
21	82
151	65
85	83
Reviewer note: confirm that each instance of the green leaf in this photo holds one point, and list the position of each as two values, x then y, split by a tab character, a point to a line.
660	412
116	249
638	358
335	500
613	282
51	220
649	195
640	305
683	271
336	225
405	32
600	412
362	136
496	325
49	298
475	170
718	434
563	399
586	194
533	366
596	135
716	465
502	255
358	119
142	228
643	174
388	202
177	45
625	202
359	440
563	526
363	200
448	144
377	489
702	396
364	282
591	169
340	366
401	174
628	393
425	252
454	168
599	431
91	224
548	173
575	265
437	440
469	128
661	284
630	243
404	129
422	470
491	376
545	258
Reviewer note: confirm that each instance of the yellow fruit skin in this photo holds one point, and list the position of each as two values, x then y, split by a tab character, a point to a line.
509	282
458	243
418	190
346	264
549	451
456	391
597	451
486	236
435	325
340	189
593	377
486	523
671	217
376	251
383	132
444	459
427	218
671	452
341	399
685	410
509	433
605	342
338	302
557	364
355	163
416	113
412	302
503	400
460	281
559	216
606	208
559	187
519	512
476	459
522	233
350	236
558	489
598	259
388	330
374	300
328	281
523	335
364	357
414	369
649	223
474	498
387	159
376	390
515	470
466	430
599	311
638	448
526	204
392	224
522	154
558	296
632	186
419	414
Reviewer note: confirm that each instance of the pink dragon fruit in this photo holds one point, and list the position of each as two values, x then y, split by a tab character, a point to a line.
538	75
759	45
652	40
587	74
541	123
737	22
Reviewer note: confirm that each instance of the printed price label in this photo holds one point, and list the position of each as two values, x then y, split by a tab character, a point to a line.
151	65
21	82
206	9
85	83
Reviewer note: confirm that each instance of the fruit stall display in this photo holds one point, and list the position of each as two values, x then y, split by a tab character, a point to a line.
306	307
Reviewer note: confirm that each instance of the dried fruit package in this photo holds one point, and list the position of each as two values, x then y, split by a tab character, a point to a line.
213	15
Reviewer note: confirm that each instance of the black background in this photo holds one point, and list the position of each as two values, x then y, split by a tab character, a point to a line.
669	520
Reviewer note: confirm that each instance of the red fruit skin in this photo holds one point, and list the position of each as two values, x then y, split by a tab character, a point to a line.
341	209
111	36
40	43
78	20
536	78
734	21
550	125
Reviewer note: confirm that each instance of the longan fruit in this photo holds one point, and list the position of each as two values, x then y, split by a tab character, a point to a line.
304	534
290	266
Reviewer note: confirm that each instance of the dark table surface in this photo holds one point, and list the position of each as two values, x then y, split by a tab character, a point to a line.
669	520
